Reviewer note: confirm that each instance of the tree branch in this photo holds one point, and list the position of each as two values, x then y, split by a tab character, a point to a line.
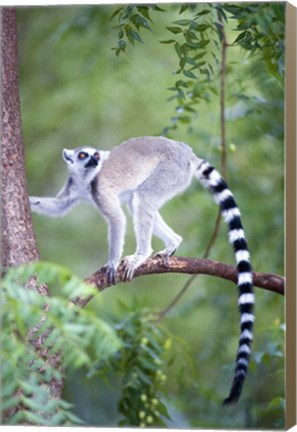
155	265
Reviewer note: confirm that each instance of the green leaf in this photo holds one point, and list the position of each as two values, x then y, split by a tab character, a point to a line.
189	74
157	8
190	61
132	35
203	27
144	10
137	36
178	49
163	410
181	83
183	8
190	109
182	63
74	419
232	8
198	56
203	43
116	12
184	119
147	364
122	44
174	30
204	12
239	37
143	377
277	403
169	41
183	22
190	35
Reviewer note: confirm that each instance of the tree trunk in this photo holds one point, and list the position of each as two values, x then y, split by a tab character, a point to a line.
18	239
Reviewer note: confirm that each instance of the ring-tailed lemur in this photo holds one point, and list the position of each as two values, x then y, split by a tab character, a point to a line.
145	173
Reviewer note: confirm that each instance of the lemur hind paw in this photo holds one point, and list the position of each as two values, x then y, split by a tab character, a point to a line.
165	255
129	267
131	263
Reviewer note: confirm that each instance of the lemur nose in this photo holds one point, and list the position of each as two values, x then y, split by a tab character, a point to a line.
93	162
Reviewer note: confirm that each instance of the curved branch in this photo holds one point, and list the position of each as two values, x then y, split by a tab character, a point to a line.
156	265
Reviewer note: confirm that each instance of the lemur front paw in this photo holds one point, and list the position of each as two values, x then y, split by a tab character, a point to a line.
110	271
34	201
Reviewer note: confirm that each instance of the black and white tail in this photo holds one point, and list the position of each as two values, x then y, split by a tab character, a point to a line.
213	181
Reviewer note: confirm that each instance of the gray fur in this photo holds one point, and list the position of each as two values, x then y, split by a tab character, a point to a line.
143	173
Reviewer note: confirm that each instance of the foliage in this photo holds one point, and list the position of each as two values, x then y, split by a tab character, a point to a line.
142	363
197	42
262	31
77	336
130	20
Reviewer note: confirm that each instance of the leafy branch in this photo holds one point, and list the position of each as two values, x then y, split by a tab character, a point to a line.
140	364
131	19
214	234
261	31
196	43
34	348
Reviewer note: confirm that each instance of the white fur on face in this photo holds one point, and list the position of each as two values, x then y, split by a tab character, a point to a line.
68	156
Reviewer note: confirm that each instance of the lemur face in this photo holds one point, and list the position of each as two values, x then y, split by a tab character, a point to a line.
82	158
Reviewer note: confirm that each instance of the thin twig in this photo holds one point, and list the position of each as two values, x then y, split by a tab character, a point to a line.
176	299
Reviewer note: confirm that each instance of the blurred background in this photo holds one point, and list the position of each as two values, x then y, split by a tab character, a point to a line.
76	91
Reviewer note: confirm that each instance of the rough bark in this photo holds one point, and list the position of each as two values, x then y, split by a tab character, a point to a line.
18	240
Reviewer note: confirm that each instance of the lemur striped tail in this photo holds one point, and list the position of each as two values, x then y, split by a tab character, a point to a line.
213	181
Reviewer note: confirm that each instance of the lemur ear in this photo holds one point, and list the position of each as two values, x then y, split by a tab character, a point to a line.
103	154
68	155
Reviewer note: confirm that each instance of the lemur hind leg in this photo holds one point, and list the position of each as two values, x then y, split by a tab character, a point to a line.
168	236
143	221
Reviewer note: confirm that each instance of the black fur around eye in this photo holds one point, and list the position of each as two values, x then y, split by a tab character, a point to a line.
97	156
82	155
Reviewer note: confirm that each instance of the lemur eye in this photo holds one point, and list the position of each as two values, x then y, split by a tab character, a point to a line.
97	156
82	155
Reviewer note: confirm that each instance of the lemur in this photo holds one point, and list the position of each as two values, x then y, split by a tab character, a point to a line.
144	173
